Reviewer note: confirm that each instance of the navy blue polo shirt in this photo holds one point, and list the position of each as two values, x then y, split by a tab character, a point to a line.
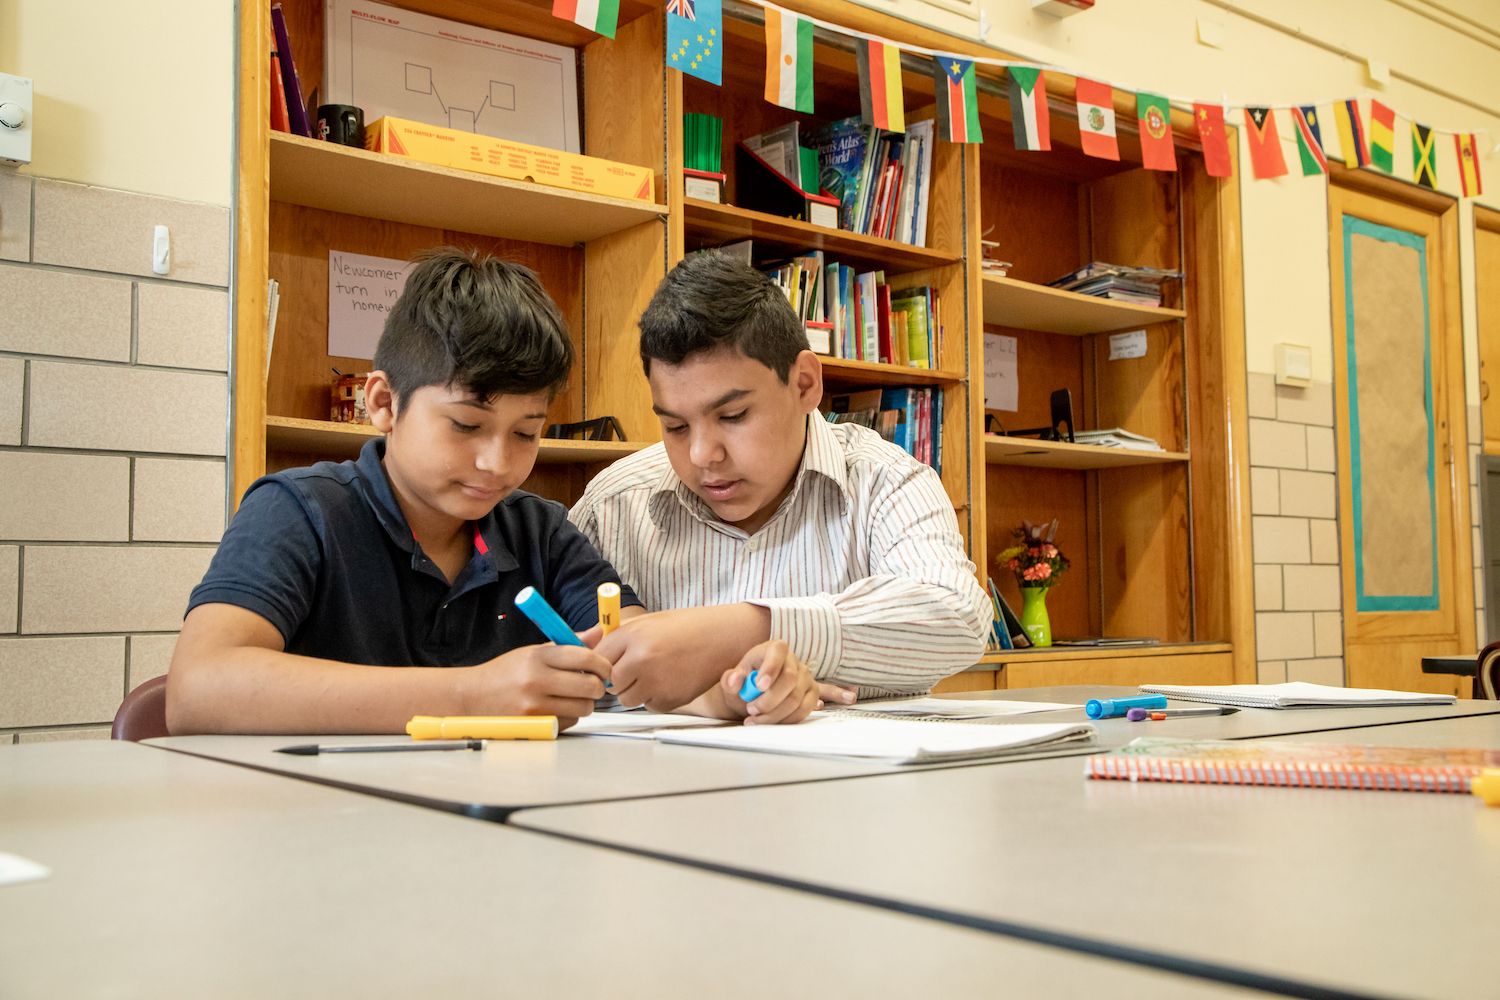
325	555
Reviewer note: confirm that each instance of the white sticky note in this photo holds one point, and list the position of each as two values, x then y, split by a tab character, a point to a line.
1127	345
17	869
1002	389
361	291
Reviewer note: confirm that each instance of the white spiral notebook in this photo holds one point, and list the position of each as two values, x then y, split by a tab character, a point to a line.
1297	694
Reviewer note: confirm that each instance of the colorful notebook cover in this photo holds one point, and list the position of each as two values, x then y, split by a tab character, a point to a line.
1296	765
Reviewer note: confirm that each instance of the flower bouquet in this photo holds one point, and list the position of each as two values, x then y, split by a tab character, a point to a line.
1038	565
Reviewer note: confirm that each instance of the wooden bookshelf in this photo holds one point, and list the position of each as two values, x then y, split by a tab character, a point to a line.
707	224
1023	305
1030	452
1056	653
327	439
353	181
845	373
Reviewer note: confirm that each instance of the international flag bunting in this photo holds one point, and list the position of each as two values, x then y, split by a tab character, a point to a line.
1028	108
1265	145
1423	155
601	16
1096	119
1309	142
789	60
1468	165
1351	134
955	87
1155	117
1214	138
695	38
1382	136
881	101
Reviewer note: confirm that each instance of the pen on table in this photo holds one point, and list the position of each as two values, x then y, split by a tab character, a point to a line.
1111	708
313	749
535	607
1157	715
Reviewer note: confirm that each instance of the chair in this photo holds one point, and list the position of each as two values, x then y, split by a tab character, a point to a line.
1487	673
143	713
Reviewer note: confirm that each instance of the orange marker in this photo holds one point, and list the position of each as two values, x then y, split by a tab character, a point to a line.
609	607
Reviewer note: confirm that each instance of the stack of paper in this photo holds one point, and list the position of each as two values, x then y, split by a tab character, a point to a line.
1116	438
1298	694
640	724
946	708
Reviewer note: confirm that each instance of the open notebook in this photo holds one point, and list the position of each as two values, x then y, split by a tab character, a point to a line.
894	741
1297	694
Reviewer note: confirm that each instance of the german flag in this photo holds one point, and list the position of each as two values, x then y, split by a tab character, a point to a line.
1468	165
1423	156
881	101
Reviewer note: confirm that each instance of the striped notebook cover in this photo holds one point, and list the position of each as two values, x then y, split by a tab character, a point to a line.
1297	765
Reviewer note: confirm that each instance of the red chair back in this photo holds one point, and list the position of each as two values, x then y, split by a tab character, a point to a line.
143	713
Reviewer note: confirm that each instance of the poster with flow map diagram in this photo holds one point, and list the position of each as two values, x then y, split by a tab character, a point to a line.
389	61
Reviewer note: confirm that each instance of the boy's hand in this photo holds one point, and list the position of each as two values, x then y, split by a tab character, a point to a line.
832	694
666	659
539	680
789	693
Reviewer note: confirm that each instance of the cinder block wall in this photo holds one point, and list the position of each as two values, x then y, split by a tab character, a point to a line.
113	413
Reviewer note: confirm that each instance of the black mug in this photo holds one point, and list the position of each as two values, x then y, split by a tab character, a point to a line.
342	123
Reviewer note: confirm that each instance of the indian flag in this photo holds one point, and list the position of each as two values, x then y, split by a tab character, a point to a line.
789	60
882	102
957	99
596	15
1028	108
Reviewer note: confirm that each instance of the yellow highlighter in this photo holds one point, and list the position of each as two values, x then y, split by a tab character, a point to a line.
609	607
483	727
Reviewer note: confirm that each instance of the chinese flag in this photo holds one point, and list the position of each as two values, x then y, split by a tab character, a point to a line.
1266	160
1215	139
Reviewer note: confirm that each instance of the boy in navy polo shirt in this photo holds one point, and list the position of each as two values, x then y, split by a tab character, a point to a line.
412	555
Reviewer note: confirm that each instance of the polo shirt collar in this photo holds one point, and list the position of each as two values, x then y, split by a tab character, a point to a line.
382	499
822	456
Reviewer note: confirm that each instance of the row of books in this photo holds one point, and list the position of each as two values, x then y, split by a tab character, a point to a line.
910	418
855	315
1140	285
288	110
881	179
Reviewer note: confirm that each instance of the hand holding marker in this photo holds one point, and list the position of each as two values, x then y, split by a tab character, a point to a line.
535	607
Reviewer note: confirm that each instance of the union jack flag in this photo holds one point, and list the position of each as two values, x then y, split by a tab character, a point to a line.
682	8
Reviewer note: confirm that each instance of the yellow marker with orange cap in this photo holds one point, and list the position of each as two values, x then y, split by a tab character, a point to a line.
483	727
1487	786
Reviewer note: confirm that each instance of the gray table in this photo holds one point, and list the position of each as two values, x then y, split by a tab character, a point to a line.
178	877
578	769
1376	893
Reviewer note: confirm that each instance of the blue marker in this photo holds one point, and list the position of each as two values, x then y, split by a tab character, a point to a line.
1111	708
535	607
748	691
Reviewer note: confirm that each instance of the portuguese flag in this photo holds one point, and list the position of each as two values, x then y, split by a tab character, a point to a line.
1155	117
881	101
1028	108
595	15
957	99
789	60
1096	119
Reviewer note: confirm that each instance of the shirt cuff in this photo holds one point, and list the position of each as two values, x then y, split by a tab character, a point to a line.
811	628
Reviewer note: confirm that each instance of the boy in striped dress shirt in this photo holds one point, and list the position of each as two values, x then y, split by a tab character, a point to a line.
760	536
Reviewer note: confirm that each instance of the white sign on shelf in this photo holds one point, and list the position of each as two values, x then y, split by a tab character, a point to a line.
1127	345
1002	388
361	291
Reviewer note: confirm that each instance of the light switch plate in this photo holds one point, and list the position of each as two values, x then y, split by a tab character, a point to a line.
15	143
1293	365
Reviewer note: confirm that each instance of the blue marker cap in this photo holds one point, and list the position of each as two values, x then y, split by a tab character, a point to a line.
1111	708
748	690
535	607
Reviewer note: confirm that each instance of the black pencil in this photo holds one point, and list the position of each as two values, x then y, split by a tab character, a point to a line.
313	749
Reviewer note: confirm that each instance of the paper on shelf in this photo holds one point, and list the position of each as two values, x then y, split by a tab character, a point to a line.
361	291
1002	388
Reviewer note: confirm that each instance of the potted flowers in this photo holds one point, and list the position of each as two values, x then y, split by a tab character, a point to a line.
1038	566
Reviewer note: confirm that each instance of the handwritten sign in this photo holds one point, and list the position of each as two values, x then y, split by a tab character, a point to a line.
361	291
1002	389
1127	345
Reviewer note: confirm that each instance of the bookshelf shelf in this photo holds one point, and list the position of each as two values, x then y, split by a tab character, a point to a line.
1022	305
334	440
707	224
1036	454
1104	652
845	372
353	181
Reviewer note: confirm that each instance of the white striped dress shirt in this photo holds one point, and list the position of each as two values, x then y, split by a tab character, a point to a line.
862	567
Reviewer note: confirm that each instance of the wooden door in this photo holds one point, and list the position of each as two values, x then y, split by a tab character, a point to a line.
1487	287
1403	482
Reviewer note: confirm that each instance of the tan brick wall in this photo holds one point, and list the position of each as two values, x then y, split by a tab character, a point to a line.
113	410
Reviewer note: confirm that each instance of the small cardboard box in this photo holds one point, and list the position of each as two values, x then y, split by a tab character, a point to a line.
517	161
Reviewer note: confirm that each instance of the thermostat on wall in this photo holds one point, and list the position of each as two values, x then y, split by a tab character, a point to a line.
1293	365
15	119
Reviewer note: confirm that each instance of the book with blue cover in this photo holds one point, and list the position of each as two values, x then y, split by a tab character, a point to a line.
841	150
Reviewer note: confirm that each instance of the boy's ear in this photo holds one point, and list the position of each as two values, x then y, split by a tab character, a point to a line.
807	377
380	402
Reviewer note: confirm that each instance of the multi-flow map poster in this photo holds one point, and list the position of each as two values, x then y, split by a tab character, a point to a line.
389	61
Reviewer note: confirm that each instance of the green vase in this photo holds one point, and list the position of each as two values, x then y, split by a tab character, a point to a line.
1034	616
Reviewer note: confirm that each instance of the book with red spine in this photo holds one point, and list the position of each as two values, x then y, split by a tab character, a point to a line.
279	120
296	107
883	312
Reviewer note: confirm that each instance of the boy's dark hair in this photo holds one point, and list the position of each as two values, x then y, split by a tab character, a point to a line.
484	324
710	301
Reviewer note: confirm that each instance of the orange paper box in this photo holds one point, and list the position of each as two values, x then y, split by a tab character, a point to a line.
517	161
